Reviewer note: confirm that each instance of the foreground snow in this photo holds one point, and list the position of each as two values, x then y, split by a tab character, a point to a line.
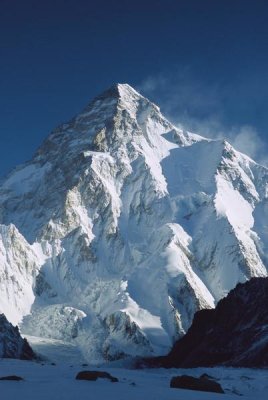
54	382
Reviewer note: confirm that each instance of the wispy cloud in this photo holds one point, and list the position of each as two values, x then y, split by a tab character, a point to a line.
247	140
200	107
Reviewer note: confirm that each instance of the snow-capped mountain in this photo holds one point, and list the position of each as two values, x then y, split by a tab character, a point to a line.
122	226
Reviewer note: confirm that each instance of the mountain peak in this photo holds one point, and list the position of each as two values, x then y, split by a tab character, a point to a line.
120	97
126	90
124	95
119	91
106	104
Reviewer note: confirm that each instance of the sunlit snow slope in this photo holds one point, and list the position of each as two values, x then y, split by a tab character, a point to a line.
123	226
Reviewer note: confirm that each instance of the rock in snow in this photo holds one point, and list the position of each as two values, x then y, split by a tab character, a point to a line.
11	378
12	345
122	226
234	334
94	375
191	383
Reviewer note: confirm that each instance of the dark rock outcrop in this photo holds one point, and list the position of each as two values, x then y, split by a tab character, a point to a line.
12	345
94	375
235	333
11	378
201	384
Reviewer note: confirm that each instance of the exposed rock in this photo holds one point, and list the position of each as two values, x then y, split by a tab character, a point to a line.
11	378
234	334
94	375
191	383
207	376
12	345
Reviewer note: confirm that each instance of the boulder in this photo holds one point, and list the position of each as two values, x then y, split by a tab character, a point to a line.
191	383
11	378
94	375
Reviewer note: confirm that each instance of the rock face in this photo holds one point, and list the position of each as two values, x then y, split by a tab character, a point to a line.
12	345
234	334
122	226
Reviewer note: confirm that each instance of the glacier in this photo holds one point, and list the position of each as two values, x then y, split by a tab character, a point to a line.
122	226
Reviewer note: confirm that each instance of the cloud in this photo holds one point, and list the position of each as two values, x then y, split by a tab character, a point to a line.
247	140
201	107
151	84
182	95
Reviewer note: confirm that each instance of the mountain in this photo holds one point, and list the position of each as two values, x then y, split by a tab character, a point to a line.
122	226
12	345
235	333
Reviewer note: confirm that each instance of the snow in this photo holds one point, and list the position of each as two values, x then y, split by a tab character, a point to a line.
150	324
239	214
45	381
130	223
16	291
192	169
56	351
25	178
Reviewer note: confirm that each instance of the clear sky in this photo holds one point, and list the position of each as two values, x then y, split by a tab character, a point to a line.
204	62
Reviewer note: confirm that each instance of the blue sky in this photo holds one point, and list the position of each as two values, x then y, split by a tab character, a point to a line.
204	62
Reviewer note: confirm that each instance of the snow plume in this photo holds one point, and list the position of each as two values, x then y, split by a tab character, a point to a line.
198	107
247	140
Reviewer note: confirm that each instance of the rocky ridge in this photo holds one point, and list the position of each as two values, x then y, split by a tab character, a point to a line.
12	345
235	333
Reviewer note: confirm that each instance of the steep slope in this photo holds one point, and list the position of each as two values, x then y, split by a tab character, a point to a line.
12	345
19	268
129	226
235	333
